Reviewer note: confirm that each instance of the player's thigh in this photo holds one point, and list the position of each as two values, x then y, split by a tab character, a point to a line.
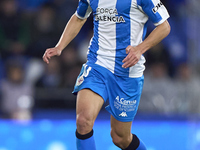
120	129
88	104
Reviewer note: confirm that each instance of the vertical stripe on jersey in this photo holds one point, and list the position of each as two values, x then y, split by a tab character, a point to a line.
138	32
122	34
107	41
92	55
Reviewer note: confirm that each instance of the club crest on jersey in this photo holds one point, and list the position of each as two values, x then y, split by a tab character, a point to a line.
86	71
155	9
105	14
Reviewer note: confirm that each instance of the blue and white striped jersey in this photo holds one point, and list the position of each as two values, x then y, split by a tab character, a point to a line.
117	24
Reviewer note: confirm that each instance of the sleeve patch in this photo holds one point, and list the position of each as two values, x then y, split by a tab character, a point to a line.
155	9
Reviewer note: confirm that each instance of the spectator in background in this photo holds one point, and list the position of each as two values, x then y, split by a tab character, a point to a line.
14	30
57	81
162	93
64	9
158	86
44	30
31	4
83	47
158	54
70	66
17	95
187	85
158	91
1	69
52	77
192	13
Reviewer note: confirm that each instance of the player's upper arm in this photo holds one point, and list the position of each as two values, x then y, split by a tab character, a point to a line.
155	10
84	10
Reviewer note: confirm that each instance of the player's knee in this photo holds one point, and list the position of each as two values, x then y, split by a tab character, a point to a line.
119	140
84	123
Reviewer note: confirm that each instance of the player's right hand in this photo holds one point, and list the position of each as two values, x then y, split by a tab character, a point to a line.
50	53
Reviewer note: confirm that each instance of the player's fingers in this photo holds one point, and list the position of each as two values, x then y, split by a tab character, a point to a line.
126	58
129	52
130	61
129	56
50	53
45	59
128	49
129	64
46	56
54	52
133	62
127	61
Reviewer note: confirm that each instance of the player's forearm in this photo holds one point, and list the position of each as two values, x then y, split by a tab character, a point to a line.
71	30
157	35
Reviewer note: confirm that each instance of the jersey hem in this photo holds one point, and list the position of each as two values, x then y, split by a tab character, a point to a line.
130	76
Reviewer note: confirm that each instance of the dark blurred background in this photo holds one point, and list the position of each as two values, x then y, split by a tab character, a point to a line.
30	89
28	28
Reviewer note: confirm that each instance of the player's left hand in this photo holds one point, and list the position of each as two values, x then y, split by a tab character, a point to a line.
132	58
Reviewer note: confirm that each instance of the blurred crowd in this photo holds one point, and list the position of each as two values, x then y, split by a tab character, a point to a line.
28	28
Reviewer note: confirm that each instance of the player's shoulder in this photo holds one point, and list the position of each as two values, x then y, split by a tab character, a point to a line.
145	2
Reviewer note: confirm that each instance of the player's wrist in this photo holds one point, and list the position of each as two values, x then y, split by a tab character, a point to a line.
58	49
142	48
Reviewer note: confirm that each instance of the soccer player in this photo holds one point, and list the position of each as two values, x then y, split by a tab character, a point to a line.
115	64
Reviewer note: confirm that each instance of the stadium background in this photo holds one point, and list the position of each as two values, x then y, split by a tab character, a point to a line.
37	109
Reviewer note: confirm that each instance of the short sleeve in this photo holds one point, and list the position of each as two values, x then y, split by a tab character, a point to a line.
155	10
84	10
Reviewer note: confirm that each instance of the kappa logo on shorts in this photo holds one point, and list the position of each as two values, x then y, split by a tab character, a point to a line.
123	114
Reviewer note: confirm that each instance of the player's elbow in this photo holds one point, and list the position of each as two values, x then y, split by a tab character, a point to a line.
78	20
167	28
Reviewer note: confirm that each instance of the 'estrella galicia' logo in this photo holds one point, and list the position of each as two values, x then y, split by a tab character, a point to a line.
155	9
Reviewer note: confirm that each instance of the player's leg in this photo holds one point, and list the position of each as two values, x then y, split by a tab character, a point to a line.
87	108
122	136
